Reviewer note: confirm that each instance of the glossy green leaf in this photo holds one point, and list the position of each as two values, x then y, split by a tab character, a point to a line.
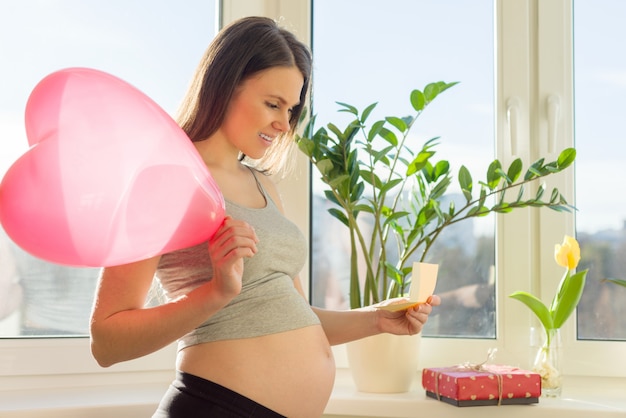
483	197
417	100
398	123
375	130
515	170
388	136
441	168
339	215
431	143
335	130
551	168
445	86
493	175
559	208
367	111
380	155
473	211
431	91
617	281
372	178
554	198
386	187
348	108
568	298
324	166
503	175
534	170
338	181
520	193
364	208
451	208
440	188
502	208
331	196
465	181
306	145
566	158
395	216
540	191
351	131
419	162
357	191
536	306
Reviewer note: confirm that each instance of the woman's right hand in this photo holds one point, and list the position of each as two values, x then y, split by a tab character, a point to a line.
123	328
232	242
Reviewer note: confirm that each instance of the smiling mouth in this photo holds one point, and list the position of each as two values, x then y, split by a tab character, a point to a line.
266	137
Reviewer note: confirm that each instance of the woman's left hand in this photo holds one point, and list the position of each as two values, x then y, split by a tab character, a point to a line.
409	321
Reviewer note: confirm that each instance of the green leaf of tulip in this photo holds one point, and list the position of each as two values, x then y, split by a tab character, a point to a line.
536	306
568	299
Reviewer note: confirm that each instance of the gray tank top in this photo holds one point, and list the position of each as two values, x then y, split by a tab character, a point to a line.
268	303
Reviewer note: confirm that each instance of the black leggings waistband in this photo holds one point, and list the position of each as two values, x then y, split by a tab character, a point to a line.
191	396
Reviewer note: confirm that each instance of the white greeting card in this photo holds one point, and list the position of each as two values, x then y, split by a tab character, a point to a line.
423	282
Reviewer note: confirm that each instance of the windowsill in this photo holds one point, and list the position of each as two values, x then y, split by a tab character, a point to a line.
121	401
582	397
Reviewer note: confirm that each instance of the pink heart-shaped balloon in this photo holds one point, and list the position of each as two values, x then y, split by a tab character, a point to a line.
110	178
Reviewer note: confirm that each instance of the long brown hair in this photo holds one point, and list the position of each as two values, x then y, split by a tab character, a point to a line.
239	51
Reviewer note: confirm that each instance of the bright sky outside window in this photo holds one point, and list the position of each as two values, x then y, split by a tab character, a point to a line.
387	52
600	94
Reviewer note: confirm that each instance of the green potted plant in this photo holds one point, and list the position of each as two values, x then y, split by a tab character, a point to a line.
547	361
374	171
371	170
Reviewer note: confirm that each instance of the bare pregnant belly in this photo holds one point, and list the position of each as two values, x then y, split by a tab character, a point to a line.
290	372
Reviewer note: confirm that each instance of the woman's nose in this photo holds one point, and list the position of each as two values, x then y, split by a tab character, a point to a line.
282	123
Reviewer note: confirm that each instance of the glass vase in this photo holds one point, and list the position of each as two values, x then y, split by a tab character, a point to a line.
548	360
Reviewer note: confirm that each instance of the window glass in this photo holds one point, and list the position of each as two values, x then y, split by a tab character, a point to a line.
365	53
600	94
154	45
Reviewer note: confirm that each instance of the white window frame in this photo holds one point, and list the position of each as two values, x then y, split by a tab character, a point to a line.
535	66
534	48
555	27
41	363
527	31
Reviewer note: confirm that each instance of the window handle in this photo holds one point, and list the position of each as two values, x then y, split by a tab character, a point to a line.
554	114
513	118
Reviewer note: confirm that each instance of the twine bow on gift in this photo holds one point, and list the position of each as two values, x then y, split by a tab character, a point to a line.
467	366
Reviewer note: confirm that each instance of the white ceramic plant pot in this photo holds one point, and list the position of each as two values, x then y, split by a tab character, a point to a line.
384	363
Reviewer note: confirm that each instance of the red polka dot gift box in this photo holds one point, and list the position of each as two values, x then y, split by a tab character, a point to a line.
491	384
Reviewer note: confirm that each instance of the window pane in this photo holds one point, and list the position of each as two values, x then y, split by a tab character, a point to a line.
366	52
600	94
153	45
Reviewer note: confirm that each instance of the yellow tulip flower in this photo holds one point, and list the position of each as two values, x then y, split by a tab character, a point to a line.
568	253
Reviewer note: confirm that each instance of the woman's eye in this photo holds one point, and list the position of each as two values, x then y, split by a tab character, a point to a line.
272	105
